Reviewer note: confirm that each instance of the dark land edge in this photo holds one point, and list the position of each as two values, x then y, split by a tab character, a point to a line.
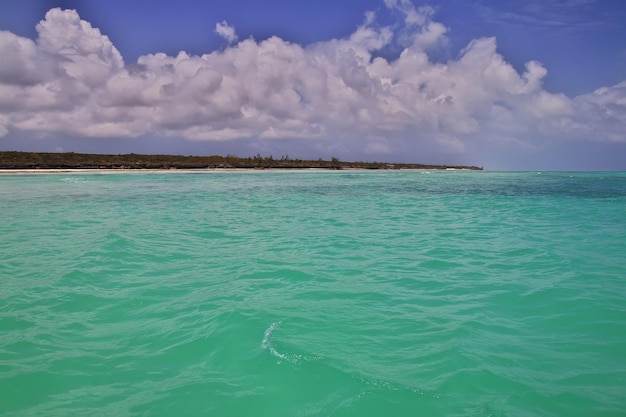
13	160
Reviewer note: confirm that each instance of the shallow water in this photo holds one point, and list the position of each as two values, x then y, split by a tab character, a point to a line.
360	293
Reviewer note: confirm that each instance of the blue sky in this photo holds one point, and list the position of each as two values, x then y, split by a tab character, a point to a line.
502	84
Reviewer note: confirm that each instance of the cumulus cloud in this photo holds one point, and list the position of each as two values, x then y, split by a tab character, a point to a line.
338	93
605	107
226	31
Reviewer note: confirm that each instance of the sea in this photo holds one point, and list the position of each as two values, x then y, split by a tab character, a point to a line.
313	293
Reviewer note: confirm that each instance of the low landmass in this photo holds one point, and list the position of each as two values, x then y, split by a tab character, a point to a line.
12	160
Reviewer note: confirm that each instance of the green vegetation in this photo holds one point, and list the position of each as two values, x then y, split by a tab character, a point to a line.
71	160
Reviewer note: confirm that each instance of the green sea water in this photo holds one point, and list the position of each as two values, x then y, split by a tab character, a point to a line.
322	293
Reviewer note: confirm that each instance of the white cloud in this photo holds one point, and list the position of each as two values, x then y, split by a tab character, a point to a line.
605	108
226	31
566	14
73	81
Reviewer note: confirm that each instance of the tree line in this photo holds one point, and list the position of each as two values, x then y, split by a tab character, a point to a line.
13	160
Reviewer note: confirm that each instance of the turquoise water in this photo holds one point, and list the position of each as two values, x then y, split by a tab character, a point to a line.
350	293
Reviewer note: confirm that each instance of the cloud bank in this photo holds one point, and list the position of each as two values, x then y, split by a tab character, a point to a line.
338	94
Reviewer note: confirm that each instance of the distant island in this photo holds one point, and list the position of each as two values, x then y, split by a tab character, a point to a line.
12	160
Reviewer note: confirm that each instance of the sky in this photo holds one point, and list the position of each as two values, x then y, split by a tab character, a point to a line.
503	84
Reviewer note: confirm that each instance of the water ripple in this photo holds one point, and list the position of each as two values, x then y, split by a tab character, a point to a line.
310	294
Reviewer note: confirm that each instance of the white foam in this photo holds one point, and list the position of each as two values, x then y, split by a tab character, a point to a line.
293	358
72	180
267	344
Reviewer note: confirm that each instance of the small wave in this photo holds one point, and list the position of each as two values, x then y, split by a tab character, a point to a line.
383	384
267	344
72	180
293	358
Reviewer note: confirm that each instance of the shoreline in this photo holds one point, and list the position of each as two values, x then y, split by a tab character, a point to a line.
36	161
46	171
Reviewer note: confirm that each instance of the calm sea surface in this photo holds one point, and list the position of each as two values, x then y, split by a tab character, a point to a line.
359	293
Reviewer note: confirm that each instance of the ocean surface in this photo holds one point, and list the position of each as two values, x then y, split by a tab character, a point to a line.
316	293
